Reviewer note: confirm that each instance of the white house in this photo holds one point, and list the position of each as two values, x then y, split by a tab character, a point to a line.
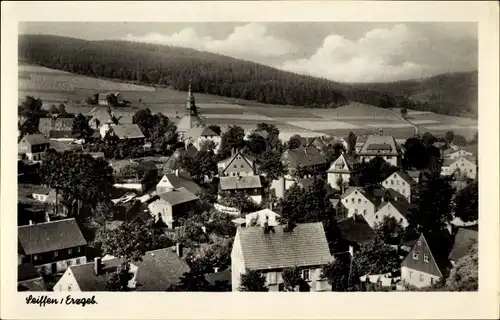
401	182
380	146
466	166
341	169
399	210
269	251
262	216
357	201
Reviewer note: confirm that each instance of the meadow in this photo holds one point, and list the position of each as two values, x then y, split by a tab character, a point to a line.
54	87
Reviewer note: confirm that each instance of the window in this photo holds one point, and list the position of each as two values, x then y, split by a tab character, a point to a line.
432	281
281	287
234	166
376	217
78	249
388	157
35	257
365	201
346	200
426	258
69	287
56	254
77	261
359	200
415	255
421	278
68	263
69	251
364	211
355	211
401	220
306	274
352	200
241	166
419	242
392	182
271	277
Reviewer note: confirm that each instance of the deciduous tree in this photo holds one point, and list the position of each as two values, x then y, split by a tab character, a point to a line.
464	275
253	280
291	278
466	202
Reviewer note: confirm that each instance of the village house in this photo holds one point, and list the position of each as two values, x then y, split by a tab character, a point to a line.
172	162
191	119
357	200
236	165
170	206
427	262
454	153
380	146
464	239
307	158
249	185
178	179
104	116
262	216
29	279
199	135
399	210
52	246
159	270
415	175
401	182
33	146
41	193
57	128
269	250
341	170
124	131
462	166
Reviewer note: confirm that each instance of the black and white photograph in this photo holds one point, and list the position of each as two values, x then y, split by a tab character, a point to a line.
247	156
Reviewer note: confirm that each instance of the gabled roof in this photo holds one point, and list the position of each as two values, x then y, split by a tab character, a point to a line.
402	206
241	182
159	270
470	148
35	139
188	122
439	244
403	175
50	236
199	131
87	280
371	196
304	157
356	230
448	162
463	241
54	134
306	245
182	180
46	125
128	131
414	174
348	159
178	196
227	162
379	145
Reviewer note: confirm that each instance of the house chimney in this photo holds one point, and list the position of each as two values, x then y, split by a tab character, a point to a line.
97	266
266	227
290	225
31	222
178	249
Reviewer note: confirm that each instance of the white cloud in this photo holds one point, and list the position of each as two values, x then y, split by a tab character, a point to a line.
247	41
380	55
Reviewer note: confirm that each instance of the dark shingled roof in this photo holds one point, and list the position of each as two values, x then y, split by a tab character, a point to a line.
222	276
53	134
27	271
406	177
374	143
305	157
128	131
440	244
159	270
178	196
50	236
356	230
46	125
241	182
199	131
306	245
183	180
86	278
463	240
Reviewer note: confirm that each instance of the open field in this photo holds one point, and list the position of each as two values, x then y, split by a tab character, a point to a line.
55	87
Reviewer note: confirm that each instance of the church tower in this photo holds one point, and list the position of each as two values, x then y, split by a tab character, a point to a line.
190	103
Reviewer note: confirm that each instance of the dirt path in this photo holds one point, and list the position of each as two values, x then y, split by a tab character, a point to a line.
406	120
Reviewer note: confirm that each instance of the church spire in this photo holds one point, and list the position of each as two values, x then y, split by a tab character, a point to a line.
190	102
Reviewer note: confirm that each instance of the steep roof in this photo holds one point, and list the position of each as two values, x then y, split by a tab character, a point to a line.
178	196
128	131
356	230
402	206
227	162
35	139
448	162
349	161
379	145
374	195
439	244
46	125
159	270
306	245
182	180
50	236
55	134
406	177
241	182
414	174
86	278
200	131
463	240
305	157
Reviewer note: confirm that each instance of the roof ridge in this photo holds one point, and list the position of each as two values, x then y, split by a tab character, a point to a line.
46	222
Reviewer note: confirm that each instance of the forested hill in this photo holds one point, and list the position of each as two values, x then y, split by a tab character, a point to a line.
219	75
450	93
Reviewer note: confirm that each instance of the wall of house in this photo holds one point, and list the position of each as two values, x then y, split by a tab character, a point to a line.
417	278
239	166
67	283
458	154
163	209
397	183
393	160
40	197
423	261
274	279
387	210
237	263
278	185
465	167
261	219
356	203
61	265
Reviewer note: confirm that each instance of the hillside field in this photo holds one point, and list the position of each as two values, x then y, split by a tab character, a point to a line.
54	87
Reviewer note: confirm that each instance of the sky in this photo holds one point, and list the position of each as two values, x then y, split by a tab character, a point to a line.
339	51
